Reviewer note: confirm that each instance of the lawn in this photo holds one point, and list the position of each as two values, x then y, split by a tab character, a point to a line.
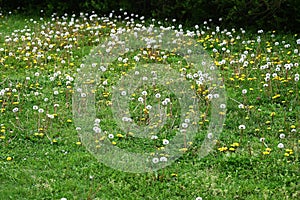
63	124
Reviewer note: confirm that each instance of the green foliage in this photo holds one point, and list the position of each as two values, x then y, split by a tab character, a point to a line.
266	14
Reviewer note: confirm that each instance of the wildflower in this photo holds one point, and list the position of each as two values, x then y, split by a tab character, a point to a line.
209	135
286	154
281	136
155	160
184	125
183	149
111	136
293	126
164	102
222	149
40	110
78	143
148	107
280	145
235	144
165	141
242	127
223	106
140	99
163	159
154	137
144	93
241	106
9	158
276	96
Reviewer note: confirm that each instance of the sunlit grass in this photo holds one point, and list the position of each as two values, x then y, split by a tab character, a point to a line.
42	157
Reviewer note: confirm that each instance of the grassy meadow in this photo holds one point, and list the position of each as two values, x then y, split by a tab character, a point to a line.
42	156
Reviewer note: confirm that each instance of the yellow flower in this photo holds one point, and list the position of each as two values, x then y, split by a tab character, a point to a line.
120	135
266	152
69	120
293	126
235	144
286	154
183	149
9	158
222	149
78	143
272	114
289	151
231	149
268	149
114	143
276	96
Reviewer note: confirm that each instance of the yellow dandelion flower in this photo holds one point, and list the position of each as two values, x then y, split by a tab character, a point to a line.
286	154
183	149
9	158
268	149
222	149
235	144
266	152
272	114
276	96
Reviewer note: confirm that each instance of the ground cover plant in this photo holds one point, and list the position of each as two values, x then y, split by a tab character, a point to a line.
42	156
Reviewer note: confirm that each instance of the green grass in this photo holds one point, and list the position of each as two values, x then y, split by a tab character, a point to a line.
43	158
